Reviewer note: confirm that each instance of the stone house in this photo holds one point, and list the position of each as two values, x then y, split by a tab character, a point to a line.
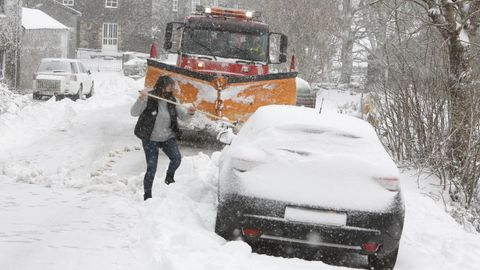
121	25
10	41
42	37
62	13
113	25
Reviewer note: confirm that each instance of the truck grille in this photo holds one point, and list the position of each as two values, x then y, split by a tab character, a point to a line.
48	85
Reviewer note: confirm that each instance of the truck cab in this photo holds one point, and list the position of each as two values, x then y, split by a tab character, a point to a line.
227	42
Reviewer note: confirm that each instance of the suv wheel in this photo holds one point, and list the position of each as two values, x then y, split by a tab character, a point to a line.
89	95
79	94
36	96
384	263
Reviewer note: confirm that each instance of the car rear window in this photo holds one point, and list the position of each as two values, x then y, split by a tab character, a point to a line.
54	66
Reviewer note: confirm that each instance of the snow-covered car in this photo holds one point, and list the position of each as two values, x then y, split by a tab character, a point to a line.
62	77
315	183
305	96
134	64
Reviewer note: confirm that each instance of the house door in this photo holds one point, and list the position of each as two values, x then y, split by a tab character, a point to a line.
110	37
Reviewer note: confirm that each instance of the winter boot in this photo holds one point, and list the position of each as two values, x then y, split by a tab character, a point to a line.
147	195
169	178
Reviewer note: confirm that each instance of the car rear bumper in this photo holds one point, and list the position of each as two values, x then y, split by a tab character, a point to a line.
268	217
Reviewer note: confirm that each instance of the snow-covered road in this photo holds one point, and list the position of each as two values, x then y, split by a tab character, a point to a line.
71	198
45	228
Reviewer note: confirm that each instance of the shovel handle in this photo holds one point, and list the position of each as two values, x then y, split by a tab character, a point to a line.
180	104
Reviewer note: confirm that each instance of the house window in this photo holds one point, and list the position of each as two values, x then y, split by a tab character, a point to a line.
111	3
68	2
175	5
215	3
194	4
110	36
2	6
2	64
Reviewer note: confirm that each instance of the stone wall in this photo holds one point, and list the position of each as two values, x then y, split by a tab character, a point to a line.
133	19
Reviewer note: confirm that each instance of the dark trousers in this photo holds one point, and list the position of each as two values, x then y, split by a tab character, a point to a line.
150	148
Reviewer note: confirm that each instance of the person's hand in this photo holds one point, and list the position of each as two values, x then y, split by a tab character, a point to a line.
143	94
192	109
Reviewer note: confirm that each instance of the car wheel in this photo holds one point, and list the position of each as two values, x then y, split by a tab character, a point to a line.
90	94
36	96
384	263
79	94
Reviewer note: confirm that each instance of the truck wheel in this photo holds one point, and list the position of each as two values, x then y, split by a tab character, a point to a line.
384	263
89	95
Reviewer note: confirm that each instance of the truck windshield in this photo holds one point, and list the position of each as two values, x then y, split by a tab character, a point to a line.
252	47
54	66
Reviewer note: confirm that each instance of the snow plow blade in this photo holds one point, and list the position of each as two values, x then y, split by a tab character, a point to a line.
233	98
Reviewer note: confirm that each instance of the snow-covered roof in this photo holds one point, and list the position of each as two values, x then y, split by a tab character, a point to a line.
37	19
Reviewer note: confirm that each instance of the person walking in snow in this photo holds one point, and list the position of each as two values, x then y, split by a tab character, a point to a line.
157	127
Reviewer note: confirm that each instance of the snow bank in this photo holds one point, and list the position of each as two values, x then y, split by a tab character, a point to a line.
10	102
431	238
19	113
338	98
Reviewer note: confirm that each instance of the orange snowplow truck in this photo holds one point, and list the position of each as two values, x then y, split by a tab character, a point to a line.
223	63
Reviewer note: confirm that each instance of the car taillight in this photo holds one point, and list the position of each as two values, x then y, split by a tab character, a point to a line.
73	77
251	232
370	247
389	183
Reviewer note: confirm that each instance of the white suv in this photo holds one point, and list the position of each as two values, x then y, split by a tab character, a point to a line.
62	77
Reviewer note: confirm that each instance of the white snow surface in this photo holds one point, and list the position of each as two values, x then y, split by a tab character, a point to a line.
303	157
11	102
37	19
71	198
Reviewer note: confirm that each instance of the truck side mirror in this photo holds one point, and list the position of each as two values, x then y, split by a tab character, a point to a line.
283	49
168	36
283	44
278	44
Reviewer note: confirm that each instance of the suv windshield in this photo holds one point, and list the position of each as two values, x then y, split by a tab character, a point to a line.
225	44
54	66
